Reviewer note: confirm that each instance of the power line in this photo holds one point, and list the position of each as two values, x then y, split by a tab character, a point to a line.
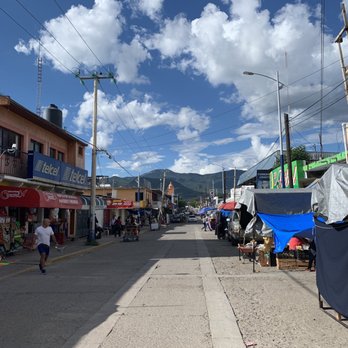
36	39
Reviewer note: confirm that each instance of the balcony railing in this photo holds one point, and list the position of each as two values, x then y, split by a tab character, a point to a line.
14	165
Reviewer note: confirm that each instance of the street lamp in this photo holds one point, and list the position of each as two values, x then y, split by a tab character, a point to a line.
11	151
280	85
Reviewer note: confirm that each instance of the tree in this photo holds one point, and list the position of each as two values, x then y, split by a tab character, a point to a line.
297	153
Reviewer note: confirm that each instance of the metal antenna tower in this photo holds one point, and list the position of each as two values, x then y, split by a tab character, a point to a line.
39	83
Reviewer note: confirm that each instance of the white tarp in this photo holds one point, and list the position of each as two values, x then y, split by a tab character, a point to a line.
330	195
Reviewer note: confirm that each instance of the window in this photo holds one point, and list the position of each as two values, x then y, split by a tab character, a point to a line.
53	152
80	151
60	156
141	196
35	146
8	139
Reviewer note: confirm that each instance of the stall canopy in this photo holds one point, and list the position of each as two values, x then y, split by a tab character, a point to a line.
330	204
286	226
204	210
284	202
228	206
330	194
27	197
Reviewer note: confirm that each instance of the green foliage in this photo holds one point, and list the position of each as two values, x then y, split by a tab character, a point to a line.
297	153
182	203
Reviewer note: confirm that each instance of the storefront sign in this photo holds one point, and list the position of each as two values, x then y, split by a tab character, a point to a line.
119	204
262	179
33	198
44	168
73	175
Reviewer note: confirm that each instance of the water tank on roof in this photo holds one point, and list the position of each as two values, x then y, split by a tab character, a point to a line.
54	115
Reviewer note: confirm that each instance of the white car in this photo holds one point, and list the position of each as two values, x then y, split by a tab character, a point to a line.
192	218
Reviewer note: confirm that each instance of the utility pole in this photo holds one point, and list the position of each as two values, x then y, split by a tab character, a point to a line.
163	188
234	183
92	216
224	184
138	198
288	149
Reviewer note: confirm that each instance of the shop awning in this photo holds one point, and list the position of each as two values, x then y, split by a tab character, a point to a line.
26	197
99	202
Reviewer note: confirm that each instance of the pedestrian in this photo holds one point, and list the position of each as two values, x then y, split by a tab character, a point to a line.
312	256
204	219
43	234
209	223
118	226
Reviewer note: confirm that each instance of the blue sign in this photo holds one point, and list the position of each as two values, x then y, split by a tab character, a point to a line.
73	175
54	171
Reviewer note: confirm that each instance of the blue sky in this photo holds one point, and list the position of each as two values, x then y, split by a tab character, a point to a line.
180	100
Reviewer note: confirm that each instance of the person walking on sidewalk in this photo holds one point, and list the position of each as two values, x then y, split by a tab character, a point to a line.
43	234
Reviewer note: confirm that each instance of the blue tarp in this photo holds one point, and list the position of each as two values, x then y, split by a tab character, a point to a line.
286	226
205	209
225	213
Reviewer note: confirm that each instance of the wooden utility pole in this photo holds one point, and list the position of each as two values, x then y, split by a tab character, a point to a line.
288	149
92	216
339	40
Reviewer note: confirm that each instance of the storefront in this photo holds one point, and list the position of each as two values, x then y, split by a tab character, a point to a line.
22	209
83	215
119	207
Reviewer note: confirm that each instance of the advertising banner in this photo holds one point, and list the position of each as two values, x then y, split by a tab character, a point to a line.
297	174
119	204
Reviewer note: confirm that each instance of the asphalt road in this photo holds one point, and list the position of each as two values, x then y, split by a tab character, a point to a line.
159	292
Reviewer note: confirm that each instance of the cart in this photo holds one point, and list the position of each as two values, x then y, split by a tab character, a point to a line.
246	252
131	233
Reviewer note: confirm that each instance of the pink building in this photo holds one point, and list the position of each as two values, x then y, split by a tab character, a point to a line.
42	171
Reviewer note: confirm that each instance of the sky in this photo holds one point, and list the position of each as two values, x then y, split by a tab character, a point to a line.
179	99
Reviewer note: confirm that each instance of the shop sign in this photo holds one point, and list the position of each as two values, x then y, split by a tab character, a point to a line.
44	168
297	174
73	175
119	204
262	179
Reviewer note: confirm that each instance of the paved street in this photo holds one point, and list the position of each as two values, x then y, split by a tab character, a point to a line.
177	287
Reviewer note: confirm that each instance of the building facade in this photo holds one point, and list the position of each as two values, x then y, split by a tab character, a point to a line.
42	172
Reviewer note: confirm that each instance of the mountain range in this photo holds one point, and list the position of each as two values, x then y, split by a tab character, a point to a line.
188	186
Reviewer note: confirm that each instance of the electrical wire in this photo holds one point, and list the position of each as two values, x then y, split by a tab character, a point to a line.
36	39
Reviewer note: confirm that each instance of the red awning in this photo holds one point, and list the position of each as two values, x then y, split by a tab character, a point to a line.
26	197
119	204
228	206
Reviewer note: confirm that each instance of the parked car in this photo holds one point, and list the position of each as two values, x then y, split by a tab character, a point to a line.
237	222
192	218
175	218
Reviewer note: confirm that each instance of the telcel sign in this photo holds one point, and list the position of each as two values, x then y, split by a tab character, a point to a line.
48	169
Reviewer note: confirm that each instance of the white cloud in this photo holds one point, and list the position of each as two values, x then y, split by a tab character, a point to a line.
140	161
100	27
220	46
150	8
116	116
172	39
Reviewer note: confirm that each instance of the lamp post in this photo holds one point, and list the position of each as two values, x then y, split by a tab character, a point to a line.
280	85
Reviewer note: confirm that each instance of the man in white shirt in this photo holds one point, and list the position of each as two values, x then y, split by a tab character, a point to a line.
43	235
